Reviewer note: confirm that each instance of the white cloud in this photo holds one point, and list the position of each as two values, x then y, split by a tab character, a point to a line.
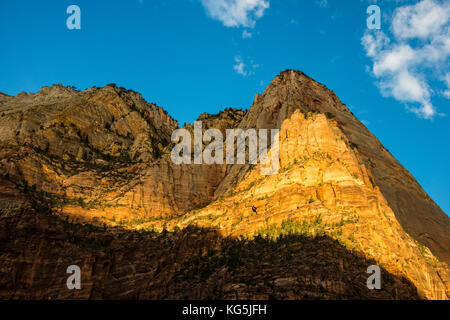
422	20
372	44
239	67
394	60
447	80
419	53
242	68
236	13
246	34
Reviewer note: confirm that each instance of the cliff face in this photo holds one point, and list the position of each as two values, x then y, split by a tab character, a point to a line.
97	163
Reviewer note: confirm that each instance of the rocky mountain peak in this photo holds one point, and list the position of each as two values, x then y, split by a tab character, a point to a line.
291	90
55	90
97	162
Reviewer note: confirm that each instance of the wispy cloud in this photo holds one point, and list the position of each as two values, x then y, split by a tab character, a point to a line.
246	34
240	67
446	93
236	13
417	53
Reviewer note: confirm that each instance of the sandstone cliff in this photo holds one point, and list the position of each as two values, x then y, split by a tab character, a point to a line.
87	176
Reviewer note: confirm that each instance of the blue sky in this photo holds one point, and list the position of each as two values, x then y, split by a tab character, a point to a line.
194	56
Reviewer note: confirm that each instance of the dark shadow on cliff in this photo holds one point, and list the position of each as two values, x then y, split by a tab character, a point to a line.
195	263
420	217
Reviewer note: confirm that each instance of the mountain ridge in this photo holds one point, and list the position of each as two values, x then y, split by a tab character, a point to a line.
102	157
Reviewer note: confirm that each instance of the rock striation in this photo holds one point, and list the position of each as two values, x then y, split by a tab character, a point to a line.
86	178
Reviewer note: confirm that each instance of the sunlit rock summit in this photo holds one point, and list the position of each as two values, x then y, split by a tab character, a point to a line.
86	178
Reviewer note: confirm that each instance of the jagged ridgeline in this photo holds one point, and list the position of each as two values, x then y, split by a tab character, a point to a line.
86	178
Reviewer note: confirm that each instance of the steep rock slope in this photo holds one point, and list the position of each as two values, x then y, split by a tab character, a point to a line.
102	157
194	263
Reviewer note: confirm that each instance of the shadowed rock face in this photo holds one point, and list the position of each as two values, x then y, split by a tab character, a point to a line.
101	157
194	263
